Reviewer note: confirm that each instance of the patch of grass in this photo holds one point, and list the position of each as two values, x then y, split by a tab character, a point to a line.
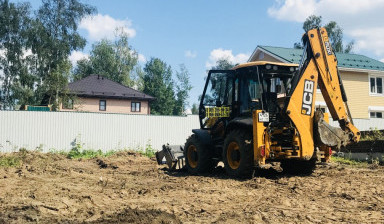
349	162
88	154
10	161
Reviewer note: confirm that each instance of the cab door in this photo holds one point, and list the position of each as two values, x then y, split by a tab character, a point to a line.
217	99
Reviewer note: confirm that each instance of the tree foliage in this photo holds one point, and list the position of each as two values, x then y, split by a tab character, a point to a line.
114	60
171	94
195	109
158	83
17	84
183	87
52	38
223	64
335	34
36	49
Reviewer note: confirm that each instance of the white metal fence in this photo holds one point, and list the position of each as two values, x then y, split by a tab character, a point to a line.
59	130
364	124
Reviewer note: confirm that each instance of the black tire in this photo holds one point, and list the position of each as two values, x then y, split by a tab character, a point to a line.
238	154
198	157
297	167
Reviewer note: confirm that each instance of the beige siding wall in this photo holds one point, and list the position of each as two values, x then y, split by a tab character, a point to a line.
266	57
356	86
113	106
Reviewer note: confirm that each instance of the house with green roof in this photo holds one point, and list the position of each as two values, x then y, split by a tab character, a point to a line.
362	78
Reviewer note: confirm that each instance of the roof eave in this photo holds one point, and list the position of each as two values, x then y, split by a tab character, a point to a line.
269	53
115	97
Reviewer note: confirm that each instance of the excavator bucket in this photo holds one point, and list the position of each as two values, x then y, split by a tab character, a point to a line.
172	155
328	135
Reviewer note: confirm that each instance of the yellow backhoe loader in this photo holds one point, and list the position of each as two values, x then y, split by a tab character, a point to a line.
261	112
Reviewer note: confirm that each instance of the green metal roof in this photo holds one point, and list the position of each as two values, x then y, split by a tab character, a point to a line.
356	61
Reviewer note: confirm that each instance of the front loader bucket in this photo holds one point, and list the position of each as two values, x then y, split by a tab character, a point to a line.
174	156
328	135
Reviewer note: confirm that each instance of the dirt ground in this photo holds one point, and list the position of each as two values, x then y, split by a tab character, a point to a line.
129	188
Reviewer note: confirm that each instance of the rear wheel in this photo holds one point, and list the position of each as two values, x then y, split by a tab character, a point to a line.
198	157
238	154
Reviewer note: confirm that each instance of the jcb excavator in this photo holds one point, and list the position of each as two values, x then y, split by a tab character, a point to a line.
261	112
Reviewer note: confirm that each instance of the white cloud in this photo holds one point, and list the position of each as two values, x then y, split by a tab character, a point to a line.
299	10
104	26
218	54
382	60
369	39
141	58
360	20
77	55
190	54
292	10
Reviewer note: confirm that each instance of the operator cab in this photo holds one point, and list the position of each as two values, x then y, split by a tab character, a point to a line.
235	93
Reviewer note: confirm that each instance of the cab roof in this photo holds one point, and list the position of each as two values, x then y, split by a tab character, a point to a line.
258	63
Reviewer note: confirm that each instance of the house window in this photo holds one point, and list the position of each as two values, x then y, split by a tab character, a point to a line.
376	85
376	114
102	105
68	104
135	106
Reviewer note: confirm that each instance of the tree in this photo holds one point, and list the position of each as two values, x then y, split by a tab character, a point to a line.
52	38
223	64
114	60
335	34
56	83
16	82
183	86
158	83
195	109
82	69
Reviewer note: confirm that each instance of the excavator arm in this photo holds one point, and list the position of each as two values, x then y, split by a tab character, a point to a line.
319	67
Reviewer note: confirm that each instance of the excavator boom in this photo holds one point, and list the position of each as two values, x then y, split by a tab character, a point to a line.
319	67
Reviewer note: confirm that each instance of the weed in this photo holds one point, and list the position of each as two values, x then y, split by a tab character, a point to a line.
349	162
88	154
10	161
149	151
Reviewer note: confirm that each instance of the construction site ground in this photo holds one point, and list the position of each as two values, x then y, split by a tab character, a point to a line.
130	188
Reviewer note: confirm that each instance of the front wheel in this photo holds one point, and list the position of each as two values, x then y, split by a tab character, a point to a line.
238	154
198	157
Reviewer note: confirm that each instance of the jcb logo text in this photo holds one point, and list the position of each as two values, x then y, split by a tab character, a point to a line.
306	107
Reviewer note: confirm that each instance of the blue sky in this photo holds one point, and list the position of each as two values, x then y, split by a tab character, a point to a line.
197	33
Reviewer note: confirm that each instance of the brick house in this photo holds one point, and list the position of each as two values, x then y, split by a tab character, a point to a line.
96	93
363	79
